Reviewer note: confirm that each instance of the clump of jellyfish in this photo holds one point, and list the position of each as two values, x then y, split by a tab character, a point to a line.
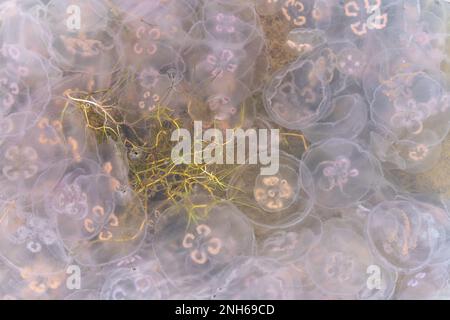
366	89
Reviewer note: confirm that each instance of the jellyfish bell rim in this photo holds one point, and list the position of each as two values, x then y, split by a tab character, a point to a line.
355	146
271	90
374	247
304	184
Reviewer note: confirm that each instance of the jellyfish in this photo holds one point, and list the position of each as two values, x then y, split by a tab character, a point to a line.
84	40
290	244
139	284
346	118
296	96
343	172
341	263
408	234
426	283
276	192
231	23
273	201
191	254
410	105
256	278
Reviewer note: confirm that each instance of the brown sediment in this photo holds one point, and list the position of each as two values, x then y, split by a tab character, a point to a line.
276	29
438	178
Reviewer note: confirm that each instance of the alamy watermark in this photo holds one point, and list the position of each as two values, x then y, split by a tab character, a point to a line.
252	146
374	280
73	281
73	21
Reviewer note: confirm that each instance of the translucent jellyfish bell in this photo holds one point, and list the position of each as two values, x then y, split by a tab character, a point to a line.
276	192
145	92
343	172
412	104
212	62
192	252
258	59
46	185
138	9
407	234
340	65
120	236
302	14
31	75
142	259
216	60
304	286
386	65
80	211
229	22
437	212
26	156
256	278
277	200
141	46
22	25
413	156
83	294
15	95
296	96
292	243
31	241
141	283
339	263
225	106
351	61
425	32
82	36
380	279
96	224
363	20
174	19
27	285
7	289
346	118
424	284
